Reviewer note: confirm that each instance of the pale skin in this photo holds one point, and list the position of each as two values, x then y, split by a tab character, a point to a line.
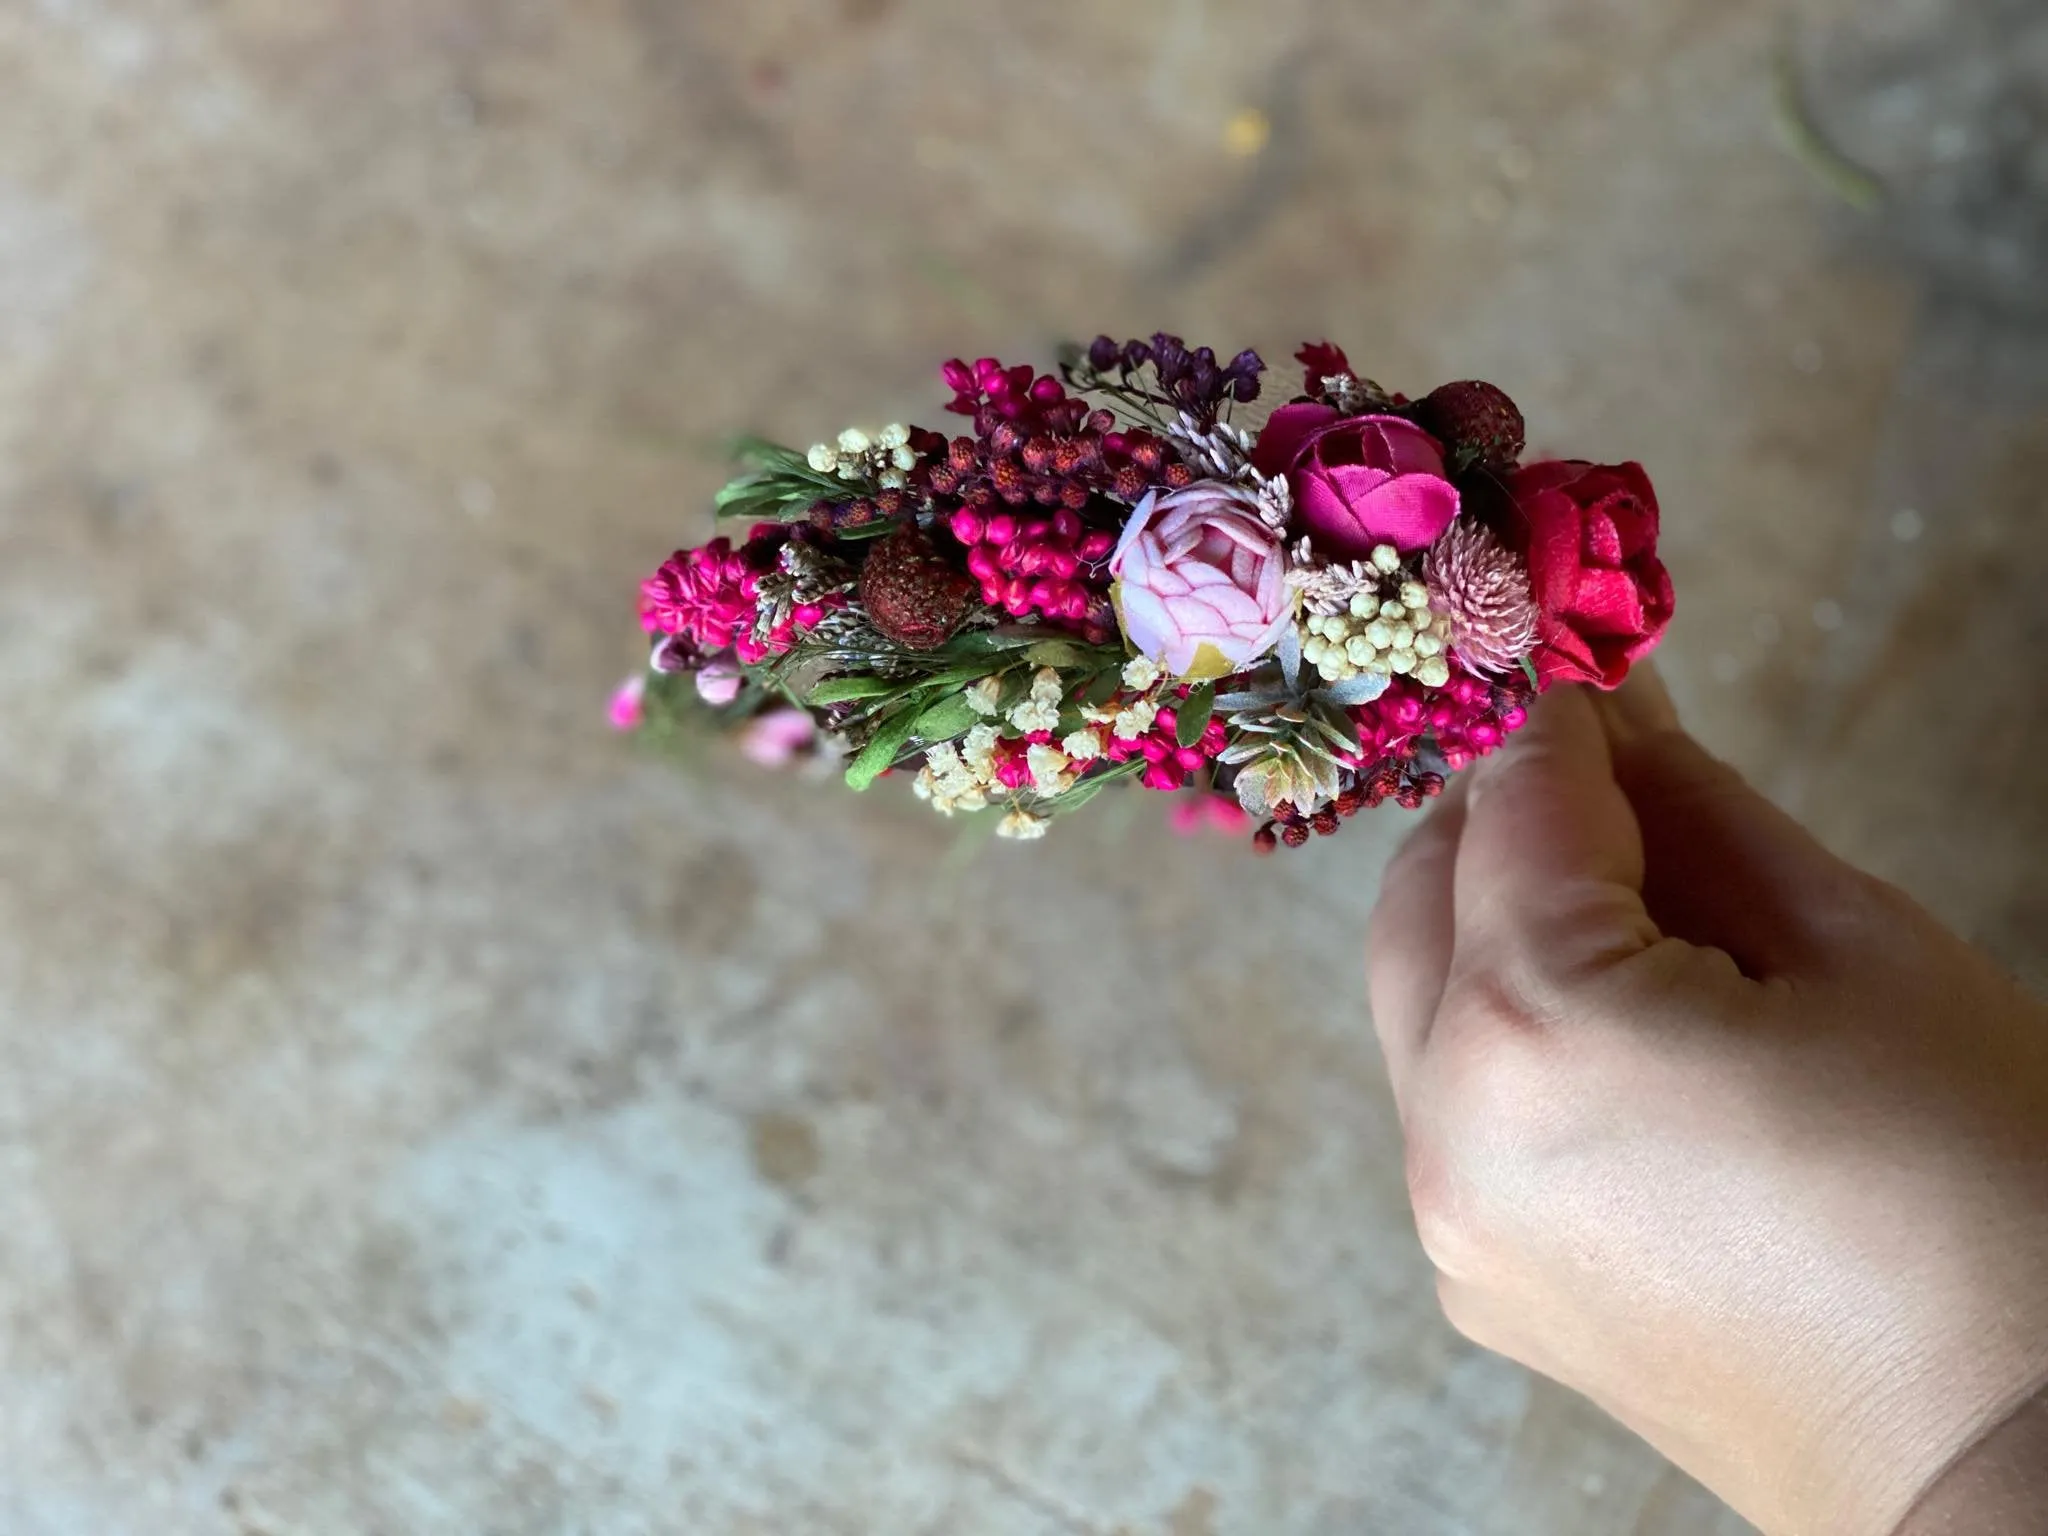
1719	1131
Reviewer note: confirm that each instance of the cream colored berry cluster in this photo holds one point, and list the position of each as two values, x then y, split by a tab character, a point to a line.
885	459
1388	629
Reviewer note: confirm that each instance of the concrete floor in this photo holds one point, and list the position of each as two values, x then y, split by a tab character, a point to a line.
421	1114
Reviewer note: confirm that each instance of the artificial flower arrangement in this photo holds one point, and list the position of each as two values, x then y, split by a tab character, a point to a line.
1107	579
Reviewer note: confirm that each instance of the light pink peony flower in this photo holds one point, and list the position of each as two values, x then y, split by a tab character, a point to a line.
1358	481
1201	582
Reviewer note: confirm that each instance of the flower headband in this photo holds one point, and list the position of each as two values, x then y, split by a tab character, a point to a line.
1108	579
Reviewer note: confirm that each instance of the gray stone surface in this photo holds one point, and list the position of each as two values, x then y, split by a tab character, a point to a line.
420	1114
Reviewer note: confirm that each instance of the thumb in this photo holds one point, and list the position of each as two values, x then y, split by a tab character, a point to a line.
1550	868
1722	866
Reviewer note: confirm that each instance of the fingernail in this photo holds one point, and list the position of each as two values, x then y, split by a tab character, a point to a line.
1641	706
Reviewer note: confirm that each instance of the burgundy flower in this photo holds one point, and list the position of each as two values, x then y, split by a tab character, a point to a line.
911	593
1321	361
1478	420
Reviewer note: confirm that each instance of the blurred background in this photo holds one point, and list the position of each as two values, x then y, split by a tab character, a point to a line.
421	1112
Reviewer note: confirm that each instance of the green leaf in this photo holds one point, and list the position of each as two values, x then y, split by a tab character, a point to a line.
992	642
771	500
879	755
859	531
781	485
1092	786
839	690
1105	686
1062	654
765	453
946	719
1191	715
1339	728
1529	668
972	673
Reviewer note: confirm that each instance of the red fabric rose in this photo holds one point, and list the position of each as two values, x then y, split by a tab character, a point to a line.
1589	535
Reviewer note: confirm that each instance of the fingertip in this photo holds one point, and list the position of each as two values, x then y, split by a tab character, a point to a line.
1562	748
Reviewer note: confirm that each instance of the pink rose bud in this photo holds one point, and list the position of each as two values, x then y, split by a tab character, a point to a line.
628	706
1359	481
718	684
773	738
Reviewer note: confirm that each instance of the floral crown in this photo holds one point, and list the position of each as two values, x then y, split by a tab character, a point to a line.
1108	579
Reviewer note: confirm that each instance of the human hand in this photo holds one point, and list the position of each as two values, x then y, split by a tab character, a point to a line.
1710	1126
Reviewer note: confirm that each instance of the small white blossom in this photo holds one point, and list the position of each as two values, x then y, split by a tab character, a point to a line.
978	750
1136	720
960	778
1140	673
1022	826
1049	767
1083	746
1045	686
985	695
885	457
1035	715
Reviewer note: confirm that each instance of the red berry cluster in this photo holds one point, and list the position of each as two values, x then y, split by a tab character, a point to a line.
1167	762
1025	495
1464	720
1020	395
860	512
1395	779
1034	444
1053	565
